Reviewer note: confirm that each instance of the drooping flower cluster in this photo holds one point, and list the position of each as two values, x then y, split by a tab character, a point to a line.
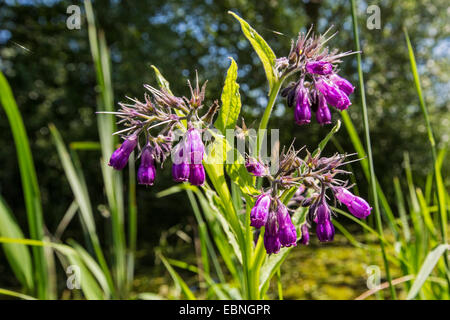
167	113
311	178
319	85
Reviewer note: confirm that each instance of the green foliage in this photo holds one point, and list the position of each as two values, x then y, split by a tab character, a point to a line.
261	48
231	101
29	185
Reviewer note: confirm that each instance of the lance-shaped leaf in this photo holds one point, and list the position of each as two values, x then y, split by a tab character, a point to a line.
231	101
261	47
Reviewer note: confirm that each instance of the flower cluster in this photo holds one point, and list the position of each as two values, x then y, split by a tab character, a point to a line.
168	112
312	178
319	85
279	229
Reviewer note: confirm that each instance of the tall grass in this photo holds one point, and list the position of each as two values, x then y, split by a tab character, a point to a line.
372	180
100	278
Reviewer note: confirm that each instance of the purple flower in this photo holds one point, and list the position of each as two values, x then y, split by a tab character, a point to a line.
196	174
325	231
319	67
356	205
305	235
333	95
195	146
260	211
323	114
360	208
271	241
322	213
180	172
255	167
302	112
180	167
344	196
286	233
119	158
147	171
342	84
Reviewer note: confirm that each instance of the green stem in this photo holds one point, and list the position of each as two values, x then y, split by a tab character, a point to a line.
373	183
266	116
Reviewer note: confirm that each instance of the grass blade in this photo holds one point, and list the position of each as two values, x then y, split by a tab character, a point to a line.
426	269
179	282
29	184
373	182
440	191
81	194
18	255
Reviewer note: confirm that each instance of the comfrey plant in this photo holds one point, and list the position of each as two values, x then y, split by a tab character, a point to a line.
166	113
296	192
312	178
318	84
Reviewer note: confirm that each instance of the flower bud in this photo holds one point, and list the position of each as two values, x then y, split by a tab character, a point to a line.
119	158
356	205
272	244
322	213
255	167
180	166
319	67
147	171
196	174
344	196
287	233
302	112
260	211
325	231
271	240
305	235
323	114
342	84
359	208
180	172
195	146
333	95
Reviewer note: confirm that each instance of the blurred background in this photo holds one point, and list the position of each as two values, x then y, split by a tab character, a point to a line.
52	75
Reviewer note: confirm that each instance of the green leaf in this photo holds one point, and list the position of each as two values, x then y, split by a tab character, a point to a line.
179	282
162	82
15	294
325	140
426	269
81	193
239	175
106	127
85	145
149	296
18	255
231	101
89	286
261	47
29	183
